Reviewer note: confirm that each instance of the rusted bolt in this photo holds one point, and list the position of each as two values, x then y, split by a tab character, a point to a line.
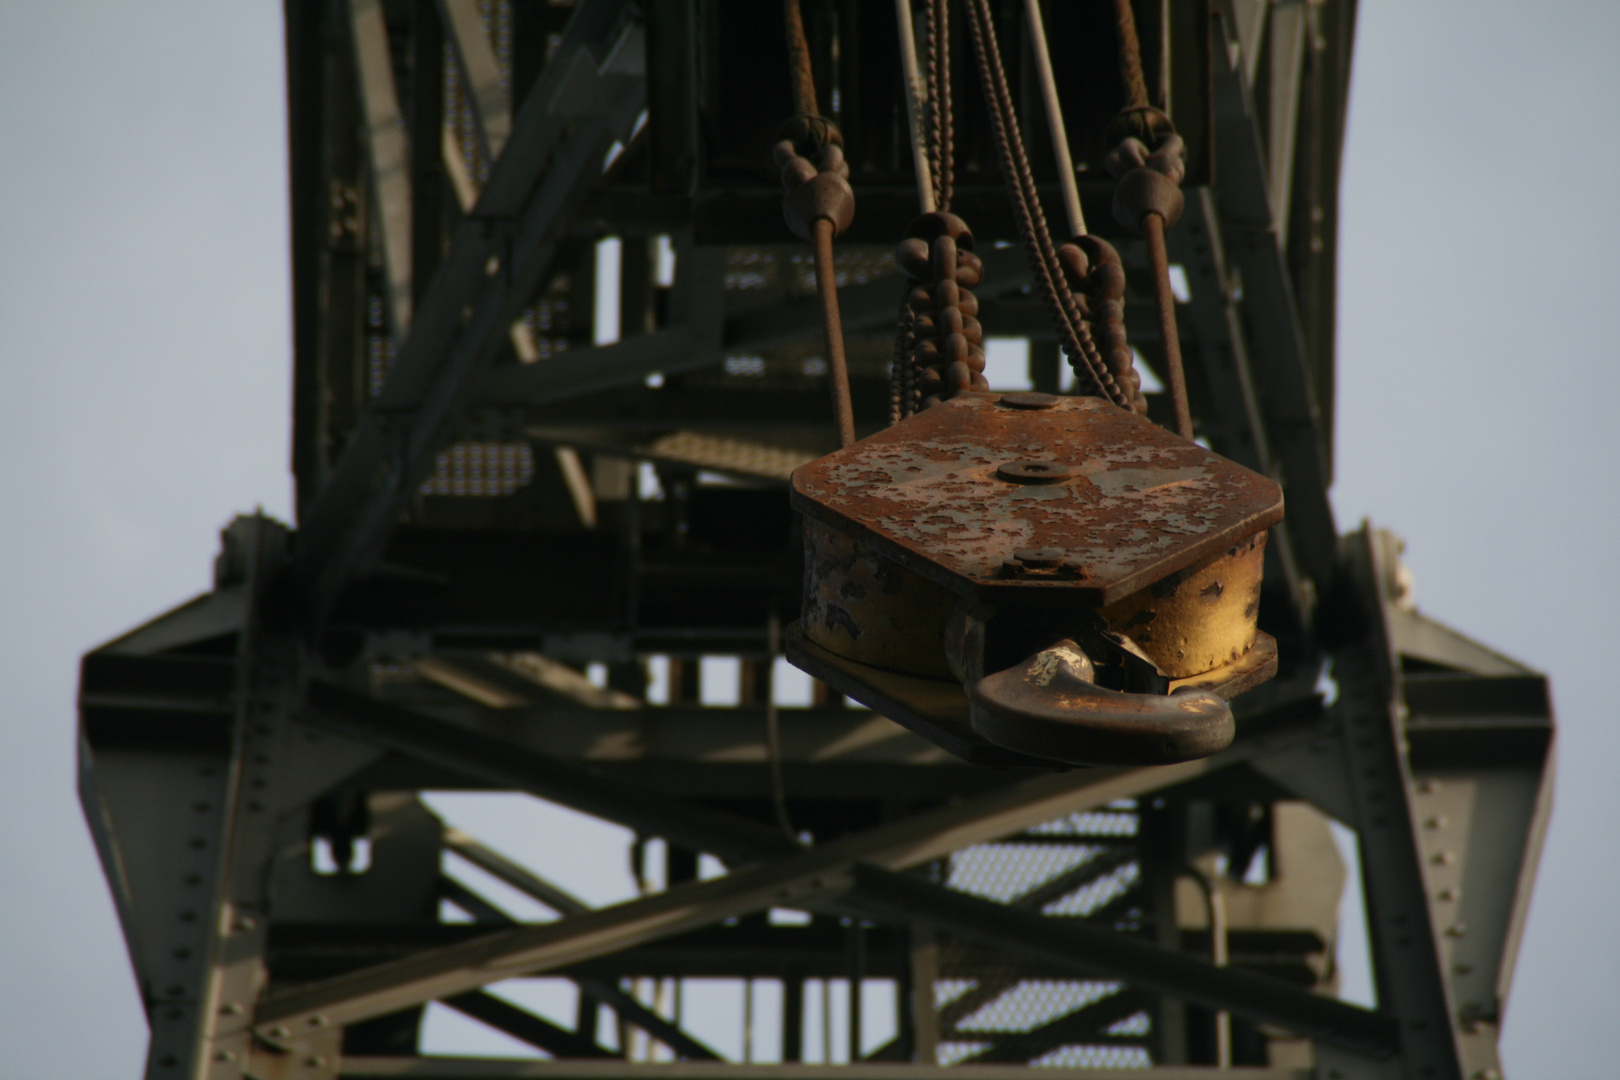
1030	400
1035	472
1039	558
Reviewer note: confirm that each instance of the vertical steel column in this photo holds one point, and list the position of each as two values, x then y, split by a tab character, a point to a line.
1406	954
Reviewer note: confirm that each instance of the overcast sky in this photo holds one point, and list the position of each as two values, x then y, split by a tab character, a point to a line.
144	327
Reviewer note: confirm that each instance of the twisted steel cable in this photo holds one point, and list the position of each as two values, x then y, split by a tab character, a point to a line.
940	127
1060	301
1130	56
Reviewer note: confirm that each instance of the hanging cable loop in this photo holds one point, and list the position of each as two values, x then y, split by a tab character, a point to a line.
1090	265
819	204
939	345
916	105
943	341
941	132
1148	161
1113	376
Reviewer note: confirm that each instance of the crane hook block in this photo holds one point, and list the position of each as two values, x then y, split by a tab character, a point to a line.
957	559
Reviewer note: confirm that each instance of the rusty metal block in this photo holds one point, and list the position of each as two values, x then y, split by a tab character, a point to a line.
972	494
990	545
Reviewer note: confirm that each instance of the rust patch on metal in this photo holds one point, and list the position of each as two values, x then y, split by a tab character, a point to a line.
1138	503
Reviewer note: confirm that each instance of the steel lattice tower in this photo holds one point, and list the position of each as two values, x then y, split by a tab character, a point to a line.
478	525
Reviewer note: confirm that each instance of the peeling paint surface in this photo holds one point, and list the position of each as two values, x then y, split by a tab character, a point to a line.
1138	502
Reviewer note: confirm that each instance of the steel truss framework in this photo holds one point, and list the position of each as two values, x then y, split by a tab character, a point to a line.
475	529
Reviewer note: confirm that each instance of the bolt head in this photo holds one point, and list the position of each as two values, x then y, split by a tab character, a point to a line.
1034	472
1040	558
1030	400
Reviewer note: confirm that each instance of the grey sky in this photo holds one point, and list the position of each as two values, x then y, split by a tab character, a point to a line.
144	323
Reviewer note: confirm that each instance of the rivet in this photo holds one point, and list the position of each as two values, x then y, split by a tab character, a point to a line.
1040	558
1034	472
1439	821
225	1055
231	1008
278	1032
1029	400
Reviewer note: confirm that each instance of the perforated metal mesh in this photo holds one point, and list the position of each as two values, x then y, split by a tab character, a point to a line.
1034	1002
1004	872
481	469
998	1008
792	271
1095	894
1097	1057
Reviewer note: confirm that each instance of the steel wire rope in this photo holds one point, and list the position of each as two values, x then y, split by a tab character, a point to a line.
926	117
1130	56
1059	299
1152	224
773	729
941	133
1054	119
822	231
931	131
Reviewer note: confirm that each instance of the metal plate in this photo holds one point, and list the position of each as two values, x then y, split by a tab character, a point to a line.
1137	503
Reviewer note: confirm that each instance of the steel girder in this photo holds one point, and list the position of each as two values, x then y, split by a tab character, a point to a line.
473	531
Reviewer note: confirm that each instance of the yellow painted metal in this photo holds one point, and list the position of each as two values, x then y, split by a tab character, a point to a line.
864	607
1199	618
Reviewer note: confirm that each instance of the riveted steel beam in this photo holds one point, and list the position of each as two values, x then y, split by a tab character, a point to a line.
814	876
587	96
1098	953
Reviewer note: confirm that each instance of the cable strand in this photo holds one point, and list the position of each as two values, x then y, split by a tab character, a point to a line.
1060	302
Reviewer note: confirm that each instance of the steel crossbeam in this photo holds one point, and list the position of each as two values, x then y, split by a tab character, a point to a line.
450	1068
357	715
1282	375
1100	953
814	876
454	165
587	97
